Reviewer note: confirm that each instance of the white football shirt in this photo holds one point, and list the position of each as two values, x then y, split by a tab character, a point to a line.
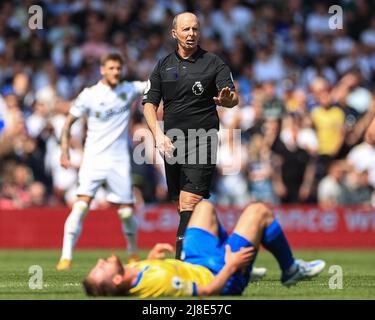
108	113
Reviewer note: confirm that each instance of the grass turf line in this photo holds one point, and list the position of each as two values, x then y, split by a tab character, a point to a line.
358	276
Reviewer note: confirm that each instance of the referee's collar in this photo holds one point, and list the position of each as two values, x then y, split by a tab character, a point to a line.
193	57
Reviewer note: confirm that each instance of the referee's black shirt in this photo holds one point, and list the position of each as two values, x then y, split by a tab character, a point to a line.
187	87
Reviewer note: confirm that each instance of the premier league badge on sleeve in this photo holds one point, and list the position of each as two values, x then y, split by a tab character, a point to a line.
197	88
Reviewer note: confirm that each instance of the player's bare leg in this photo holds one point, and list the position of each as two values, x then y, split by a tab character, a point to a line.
258	225
253	221
186	204
72	230
253	225
204	217
130	229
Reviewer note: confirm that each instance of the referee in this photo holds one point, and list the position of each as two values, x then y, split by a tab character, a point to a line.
191	82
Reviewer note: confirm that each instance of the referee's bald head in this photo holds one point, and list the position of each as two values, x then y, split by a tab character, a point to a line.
181	16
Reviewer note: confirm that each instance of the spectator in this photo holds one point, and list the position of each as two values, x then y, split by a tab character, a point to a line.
284	57
330	188
14	192
317	21
231	183
297	165
356	188
328	120
368	35
37	193
95	45
230	20
319	68
342	42
268	65
362	159
273	107
261	171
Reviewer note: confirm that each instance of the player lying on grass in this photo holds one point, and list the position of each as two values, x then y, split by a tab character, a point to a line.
214	263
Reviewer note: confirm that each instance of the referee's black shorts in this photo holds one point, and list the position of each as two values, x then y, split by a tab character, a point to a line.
193	165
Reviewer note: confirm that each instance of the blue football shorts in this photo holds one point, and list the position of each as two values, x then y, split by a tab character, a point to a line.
203	248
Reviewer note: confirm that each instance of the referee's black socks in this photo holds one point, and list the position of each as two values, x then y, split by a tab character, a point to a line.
184	220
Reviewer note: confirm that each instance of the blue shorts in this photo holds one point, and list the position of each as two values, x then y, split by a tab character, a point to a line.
203	248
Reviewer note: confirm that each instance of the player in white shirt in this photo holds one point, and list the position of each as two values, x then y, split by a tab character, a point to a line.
106	159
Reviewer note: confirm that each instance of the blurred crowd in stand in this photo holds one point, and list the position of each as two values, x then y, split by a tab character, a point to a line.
307	93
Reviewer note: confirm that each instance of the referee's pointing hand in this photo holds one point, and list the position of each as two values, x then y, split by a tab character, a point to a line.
224	98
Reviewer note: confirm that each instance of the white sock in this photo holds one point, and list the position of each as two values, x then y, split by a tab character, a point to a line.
129	228
73	228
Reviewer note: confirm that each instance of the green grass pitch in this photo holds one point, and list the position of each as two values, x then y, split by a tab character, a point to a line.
358	276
